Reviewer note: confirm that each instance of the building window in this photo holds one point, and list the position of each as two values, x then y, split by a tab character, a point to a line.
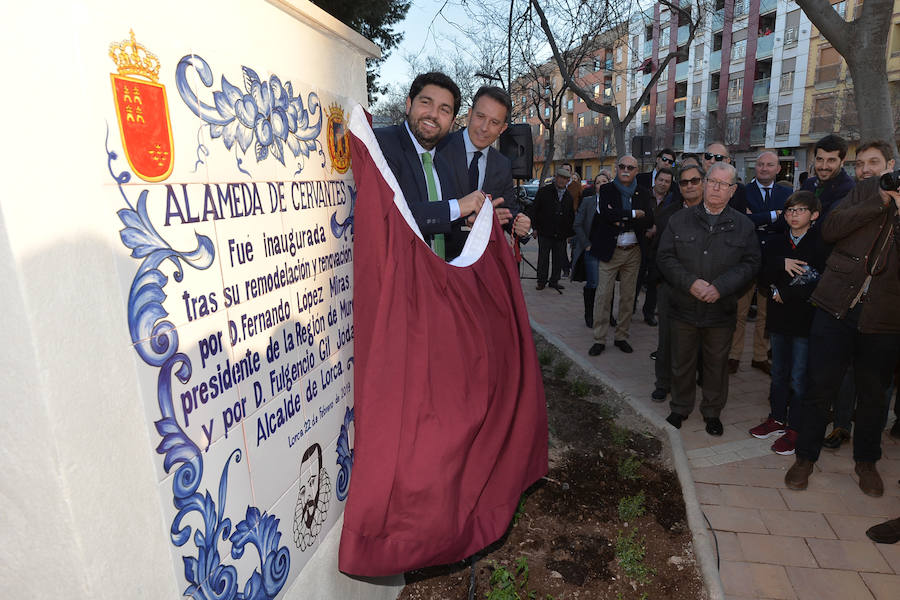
783	122
618	83
740	8
733	130
829	68
619	54
822	120
596	90
736	89
581	120
739	50
787	82
698	57
664	38
841	9
547	111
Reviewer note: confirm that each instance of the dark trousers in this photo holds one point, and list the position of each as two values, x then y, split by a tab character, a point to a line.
833	345
650	296
663	365
713	343
790	360
547	246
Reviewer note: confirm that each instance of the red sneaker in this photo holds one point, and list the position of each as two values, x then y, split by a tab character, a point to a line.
785	444
769	428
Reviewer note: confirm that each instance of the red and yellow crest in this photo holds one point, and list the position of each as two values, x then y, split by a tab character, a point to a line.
338	146
142	110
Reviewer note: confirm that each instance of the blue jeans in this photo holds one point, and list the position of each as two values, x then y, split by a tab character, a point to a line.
790	356
591	269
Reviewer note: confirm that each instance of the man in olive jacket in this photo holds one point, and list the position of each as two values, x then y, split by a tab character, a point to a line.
707	254
857	321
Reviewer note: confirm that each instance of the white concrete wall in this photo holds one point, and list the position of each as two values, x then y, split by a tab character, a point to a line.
86	506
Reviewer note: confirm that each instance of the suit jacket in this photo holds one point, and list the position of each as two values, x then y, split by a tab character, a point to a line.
646	180
584	220
401	157
498	182
761	213
552	217
605	231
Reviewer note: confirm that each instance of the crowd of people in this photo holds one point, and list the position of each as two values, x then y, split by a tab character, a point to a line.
822	262
818	266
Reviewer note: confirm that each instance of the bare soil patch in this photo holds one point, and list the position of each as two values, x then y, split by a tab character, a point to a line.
608	522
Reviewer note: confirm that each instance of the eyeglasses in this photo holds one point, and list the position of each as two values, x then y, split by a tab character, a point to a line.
691	181
718	157
667	160
627	167
796	210
716	184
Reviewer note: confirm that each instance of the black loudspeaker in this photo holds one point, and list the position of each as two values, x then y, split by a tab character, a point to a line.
642	146
516	145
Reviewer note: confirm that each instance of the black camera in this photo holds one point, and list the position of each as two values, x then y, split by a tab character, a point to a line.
890	181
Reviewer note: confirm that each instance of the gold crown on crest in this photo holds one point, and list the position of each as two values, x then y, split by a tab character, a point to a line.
134	59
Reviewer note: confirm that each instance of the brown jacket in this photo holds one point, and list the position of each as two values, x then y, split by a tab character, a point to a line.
864	231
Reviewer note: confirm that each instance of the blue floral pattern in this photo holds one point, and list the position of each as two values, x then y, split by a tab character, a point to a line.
156	342
344	456
265	114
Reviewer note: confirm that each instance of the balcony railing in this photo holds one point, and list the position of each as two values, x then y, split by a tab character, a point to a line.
648	48
712	100
660	110
647	77
715	61
678	142
782	127
680	106
821	124
767	6
764	46
683	33
761	89
695	102
828	74
758	134
681	71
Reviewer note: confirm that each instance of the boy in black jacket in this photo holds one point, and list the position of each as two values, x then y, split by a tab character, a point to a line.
792	263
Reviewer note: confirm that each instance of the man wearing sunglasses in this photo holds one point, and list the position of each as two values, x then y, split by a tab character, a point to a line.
624	213
690	183
664	159
716	152
708	254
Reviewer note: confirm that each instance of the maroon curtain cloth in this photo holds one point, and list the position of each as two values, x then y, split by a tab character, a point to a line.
450	415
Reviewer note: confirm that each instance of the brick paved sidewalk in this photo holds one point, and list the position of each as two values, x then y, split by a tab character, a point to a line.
772	542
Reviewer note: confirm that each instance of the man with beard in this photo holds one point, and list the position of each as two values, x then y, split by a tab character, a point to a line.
707	254
425	179
831	183
856	322
690	183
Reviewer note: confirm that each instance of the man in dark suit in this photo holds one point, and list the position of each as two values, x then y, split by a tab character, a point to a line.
665	158
617	239
475	165
553	219
426	179
765	201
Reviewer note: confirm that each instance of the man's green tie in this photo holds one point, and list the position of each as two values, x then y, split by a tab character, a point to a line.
438	244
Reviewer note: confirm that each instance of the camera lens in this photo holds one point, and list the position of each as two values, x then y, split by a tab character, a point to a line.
890	181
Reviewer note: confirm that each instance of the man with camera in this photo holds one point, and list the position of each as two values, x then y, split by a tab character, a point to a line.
856	322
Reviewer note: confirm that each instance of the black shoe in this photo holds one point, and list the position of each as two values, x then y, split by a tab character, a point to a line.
675	420
612	321
659	394
885	533
557	286
895	430
838	436
539	287
596	349
714	426
624	346
653	355
651	321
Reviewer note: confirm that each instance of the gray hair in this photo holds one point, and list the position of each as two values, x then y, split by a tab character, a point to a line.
723	166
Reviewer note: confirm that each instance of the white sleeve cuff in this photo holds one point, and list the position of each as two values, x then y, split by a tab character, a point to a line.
454	209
